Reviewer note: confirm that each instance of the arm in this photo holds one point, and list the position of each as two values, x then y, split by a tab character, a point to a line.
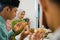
1	36
24	33
2	33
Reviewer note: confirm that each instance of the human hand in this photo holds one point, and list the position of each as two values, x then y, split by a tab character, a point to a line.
25	32
37	35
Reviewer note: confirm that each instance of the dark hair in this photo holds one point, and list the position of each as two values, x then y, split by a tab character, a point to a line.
10	3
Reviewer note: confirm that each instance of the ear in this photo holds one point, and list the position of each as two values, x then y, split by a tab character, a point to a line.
7	9
44	4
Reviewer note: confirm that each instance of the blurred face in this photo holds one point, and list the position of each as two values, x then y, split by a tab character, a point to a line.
52	13
12	13
22	15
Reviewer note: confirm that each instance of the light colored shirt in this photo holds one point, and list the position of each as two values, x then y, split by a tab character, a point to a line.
56	35
4	34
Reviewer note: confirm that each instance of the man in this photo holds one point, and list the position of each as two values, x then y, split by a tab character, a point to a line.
51	9
8	10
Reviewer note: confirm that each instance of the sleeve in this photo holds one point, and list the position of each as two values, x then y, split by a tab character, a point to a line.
10	33
1	37
2	34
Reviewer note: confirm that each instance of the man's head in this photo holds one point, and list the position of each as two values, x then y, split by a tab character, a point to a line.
22	14
51	8
8	8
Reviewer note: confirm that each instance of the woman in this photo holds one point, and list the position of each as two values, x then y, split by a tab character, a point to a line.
20	15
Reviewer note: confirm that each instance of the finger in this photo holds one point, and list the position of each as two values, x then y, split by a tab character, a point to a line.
30	36
39	34
26	28
33	37
36	33
26	32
